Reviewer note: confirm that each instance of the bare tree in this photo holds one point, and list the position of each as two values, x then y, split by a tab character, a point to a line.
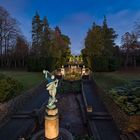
129	44
8	32
137	28
21	51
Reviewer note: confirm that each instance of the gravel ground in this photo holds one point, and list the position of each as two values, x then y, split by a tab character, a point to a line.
70	115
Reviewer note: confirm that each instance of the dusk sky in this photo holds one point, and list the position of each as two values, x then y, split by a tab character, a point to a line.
75	17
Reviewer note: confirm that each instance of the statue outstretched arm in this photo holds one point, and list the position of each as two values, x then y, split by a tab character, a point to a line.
46	73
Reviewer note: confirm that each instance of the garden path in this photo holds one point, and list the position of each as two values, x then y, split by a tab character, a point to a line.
17	126
103	124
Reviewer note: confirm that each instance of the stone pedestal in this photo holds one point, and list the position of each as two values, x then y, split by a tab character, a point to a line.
51	124
63	135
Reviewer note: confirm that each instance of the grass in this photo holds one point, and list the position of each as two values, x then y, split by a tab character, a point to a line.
108	80
27	79
122	88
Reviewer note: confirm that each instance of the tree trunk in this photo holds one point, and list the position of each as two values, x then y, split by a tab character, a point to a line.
126	59
1	59
15	64
134	62
23	64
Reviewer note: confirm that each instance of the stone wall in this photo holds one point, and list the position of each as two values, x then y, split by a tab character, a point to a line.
125	122
13	105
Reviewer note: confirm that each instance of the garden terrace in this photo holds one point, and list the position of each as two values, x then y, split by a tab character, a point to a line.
16	82
120	92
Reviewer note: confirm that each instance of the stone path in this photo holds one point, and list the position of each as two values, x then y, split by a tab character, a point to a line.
17	126
102	125
70	114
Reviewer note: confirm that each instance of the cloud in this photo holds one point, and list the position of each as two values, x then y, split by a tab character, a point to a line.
76	25
123	21
16	6
77	18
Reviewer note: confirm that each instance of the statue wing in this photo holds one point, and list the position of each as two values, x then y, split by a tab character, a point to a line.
50	86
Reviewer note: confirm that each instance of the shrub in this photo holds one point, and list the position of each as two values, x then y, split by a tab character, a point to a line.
2	76
105	63
35	63
127	97
114	64
68	87
9	88
100	64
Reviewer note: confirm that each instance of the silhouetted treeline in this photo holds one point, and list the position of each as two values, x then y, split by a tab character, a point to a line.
102	54
13	46
49	48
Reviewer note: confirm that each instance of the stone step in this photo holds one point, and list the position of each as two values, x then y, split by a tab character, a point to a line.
23	113
21	117
93	130
136	134
131	136
101	118
100	114
123	137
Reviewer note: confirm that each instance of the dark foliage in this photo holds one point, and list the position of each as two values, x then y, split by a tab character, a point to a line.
9	88
100	52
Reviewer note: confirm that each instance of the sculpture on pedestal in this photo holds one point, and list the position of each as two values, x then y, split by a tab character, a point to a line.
51	129
51	115
52	88
63	71
83	70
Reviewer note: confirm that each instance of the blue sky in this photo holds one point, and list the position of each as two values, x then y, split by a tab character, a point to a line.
75	17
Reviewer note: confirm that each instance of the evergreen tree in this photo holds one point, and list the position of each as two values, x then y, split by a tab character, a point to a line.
50	48
94	41
61	44
93	45
109	37
129	44
46	38
100	47
20	51
36	34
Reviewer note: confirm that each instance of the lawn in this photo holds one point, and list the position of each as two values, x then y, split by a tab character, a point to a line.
27	79
123	88
108	80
